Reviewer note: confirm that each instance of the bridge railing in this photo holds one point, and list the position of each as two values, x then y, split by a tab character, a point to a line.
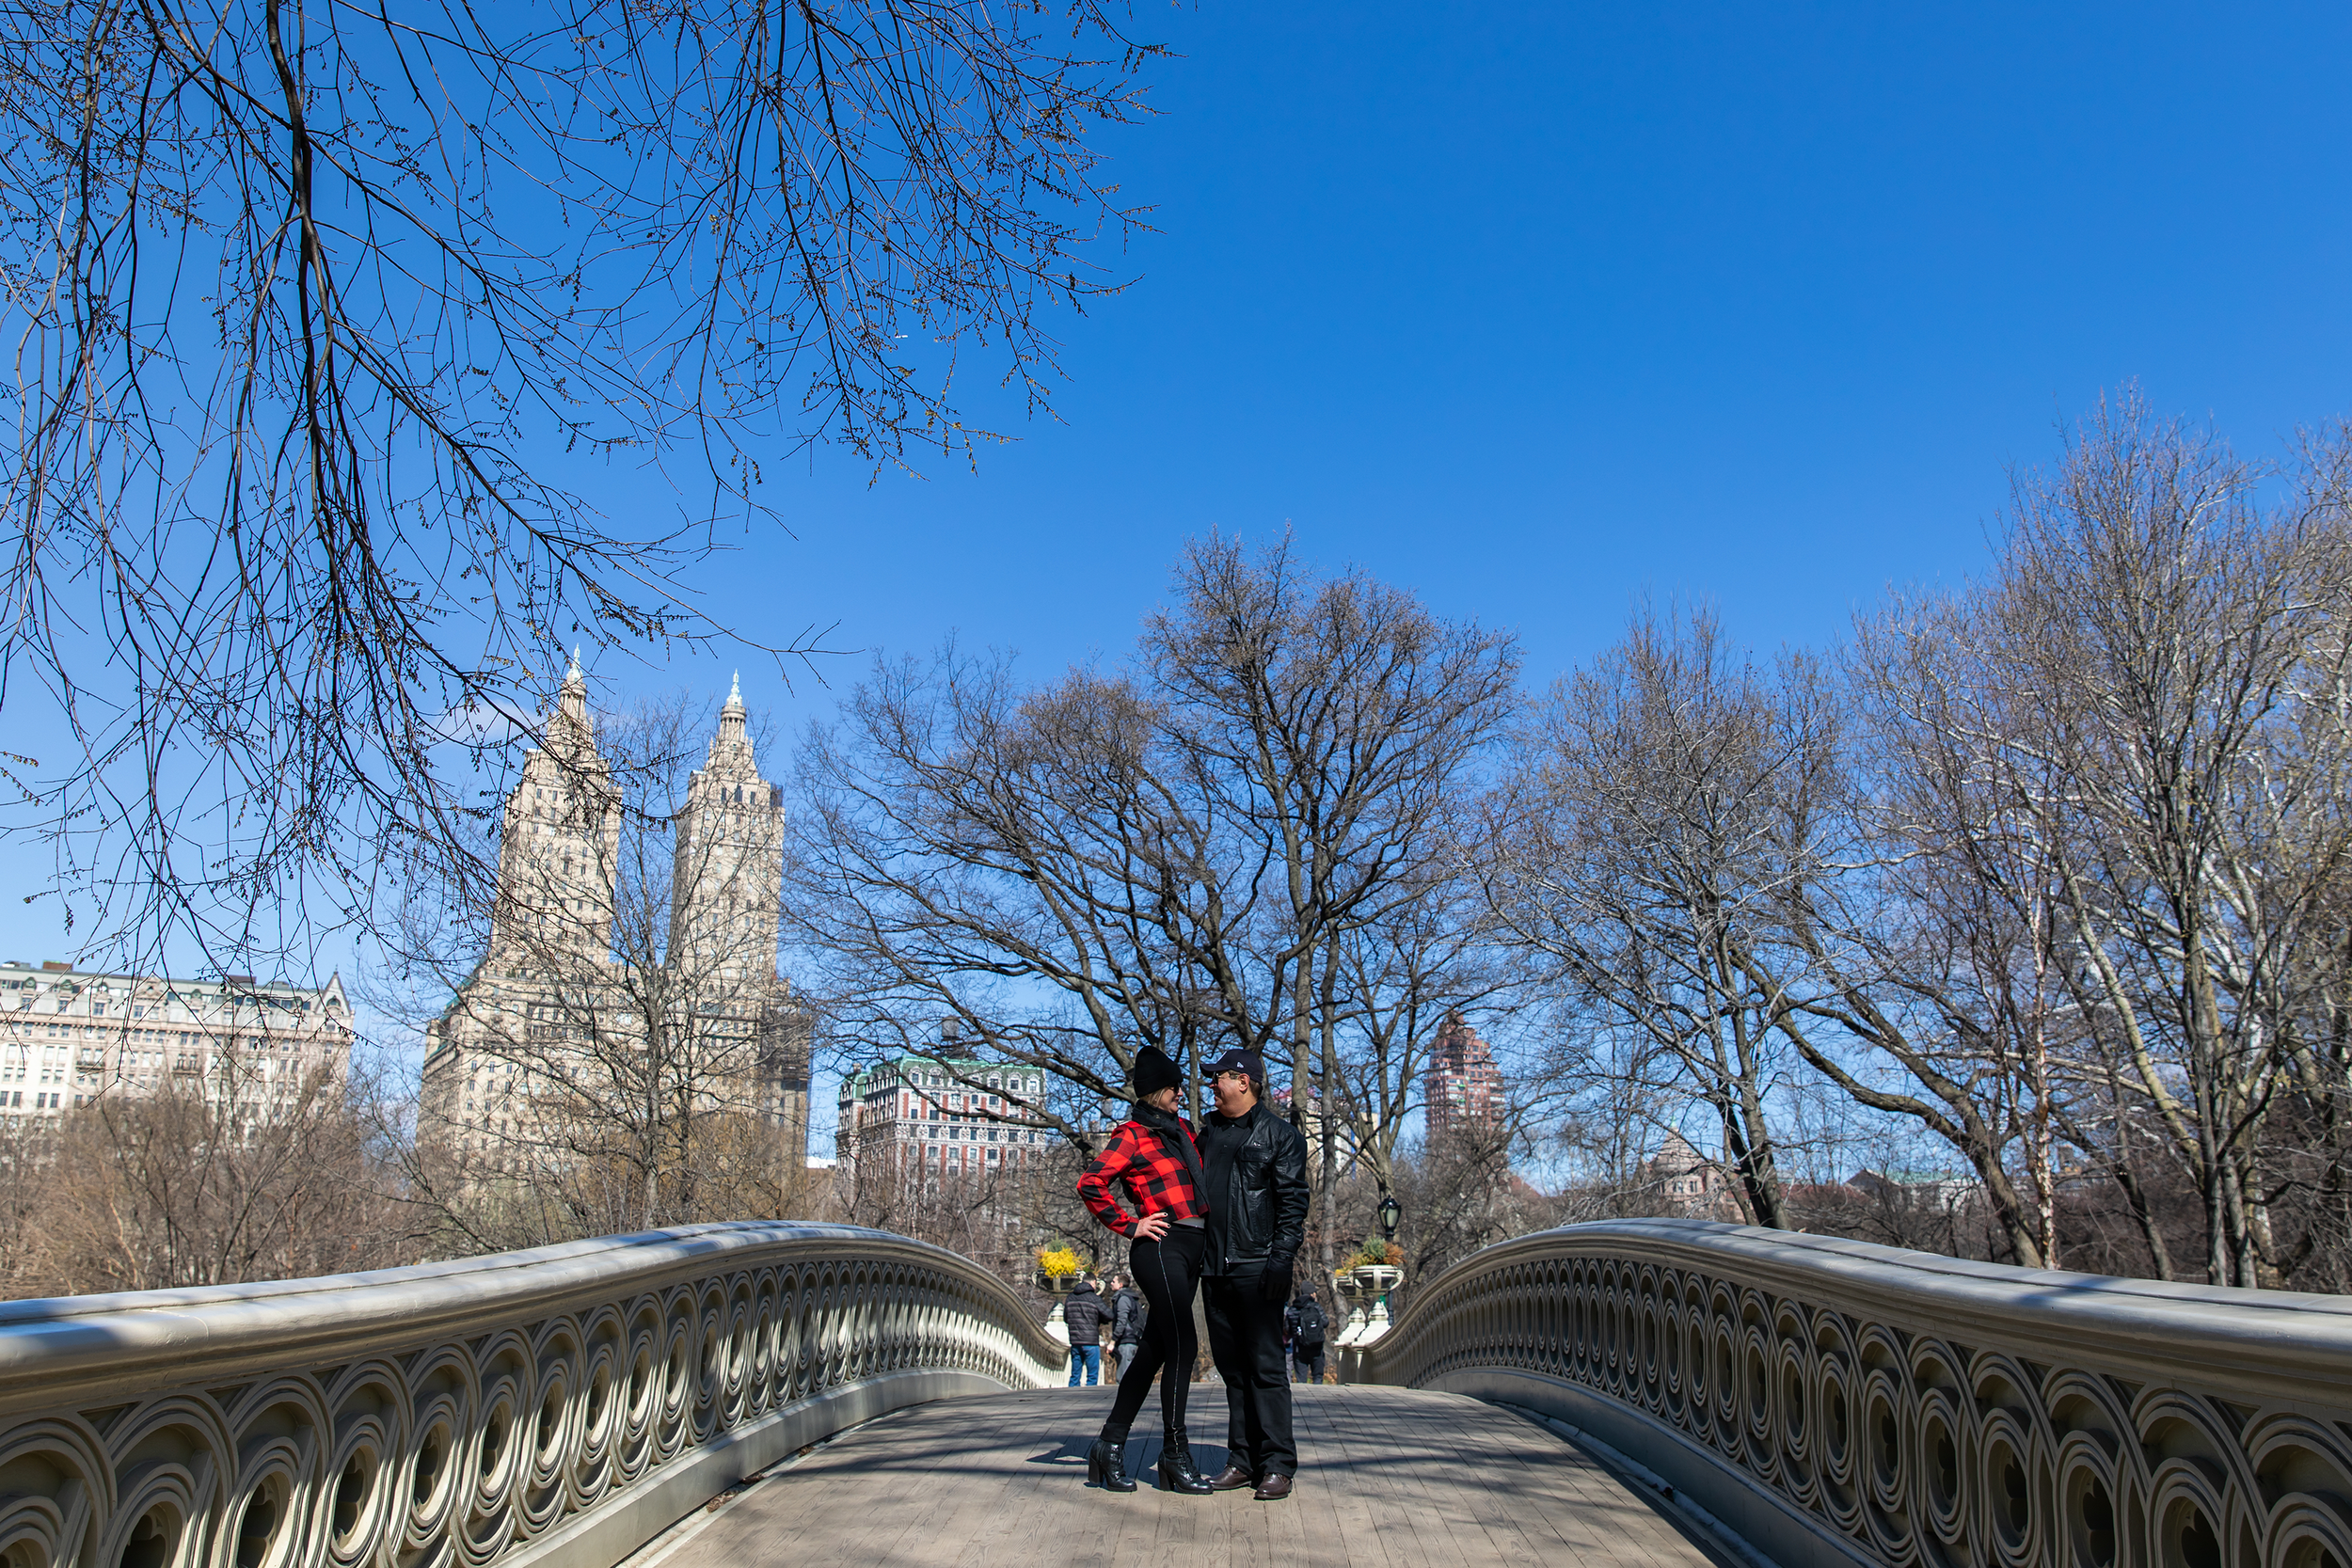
561	1405
1831	1400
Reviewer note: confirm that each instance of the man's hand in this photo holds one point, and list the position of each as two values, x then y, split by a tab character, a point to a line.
1151	1227
1275	1284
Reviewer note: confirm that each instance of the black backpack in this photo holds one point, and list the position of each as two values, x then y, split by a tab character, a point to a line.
1309	1327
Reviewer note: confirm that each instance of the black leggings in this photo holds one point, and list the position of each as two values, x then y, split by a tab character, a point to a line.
1169	1271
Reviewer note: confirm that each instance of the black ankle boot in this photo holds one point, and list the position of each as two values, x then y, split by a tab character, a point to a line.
1106	1467
1177	1473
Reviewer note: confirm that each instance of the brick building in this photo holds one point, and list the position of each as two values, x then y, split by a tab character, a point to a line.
941	1117
1462	1087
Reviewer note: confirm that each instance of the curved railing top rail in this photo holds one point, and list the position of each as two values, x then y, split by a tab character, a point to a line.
64	1349
2289	1337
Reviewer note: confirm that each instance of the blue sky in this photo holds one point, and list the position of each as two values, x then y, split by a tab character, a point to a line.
1540	310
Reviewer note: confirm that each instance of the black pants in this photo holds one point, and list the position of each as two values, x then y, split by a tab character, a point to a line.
1309	1360
1169	1270
1245	1337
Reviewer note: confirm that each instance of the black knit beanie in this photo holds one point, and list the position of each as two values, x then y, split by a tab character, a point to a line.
1154	1071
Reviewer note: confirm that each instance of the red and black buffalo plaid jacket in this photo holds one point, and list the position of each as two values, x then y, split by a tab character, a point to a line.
1153	1174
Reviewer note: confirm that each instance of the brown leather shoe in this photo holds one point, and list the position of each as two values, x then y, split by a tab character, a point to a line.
1231	1479
1273	1489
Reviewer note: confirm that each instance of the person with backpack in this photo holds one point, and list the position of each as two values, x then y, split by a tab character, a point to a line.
1308	1326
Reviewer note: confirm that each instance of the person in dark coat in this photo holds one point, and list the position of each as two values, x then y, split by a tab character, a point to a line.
1308	1326
1082	1314
1127	1315
1254	1167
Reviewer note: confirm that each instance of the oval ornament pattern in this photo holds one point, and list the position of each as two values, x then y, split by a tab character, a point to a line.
455	1415
1839	1402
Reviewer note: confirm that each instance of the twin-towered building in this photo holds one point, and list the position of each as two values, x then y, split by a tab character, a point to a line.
617	990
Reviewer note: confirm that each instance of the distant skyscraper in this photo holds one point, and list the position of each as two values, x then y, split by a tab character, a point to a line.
1462	1086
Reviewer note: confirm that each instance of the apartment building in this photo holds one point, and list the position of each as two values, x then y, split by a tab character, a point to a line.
942	1116
1462	1086
69	1036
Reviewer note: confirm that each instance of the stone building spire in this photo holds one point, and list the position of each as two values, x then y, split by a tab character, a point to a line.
731	748
568	731
730	844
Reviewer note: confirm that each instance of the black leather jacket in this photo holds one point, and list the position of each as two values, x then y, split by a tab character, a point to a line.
1261	1217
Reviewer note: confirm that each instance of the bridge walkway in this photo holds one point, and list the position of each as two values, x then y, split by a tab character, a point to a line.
1390	1478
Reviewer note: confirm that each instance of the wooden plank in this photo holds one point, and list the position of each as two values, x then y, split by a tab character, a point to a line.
1387	1448
1579	1506
1526	1500
1387	1479
1316	1534
1034	1500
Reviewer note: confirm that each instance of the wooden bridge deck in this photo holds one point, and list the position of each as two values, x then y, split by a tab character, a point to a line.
1389	1477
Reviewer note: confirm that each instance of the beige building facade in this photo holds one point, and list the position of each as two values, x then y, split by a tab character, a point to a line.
70	1036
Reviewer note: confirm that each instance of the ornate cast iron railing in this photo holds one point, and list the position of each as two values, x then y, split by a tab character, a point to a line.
561	1405
1833	1401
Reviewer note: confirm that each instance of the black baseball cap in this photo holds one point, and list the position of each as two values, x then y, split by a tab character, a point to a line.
1239	1060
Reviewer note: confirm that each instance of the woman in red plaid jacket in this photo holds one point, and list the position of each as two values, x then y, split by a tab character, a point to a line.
1152	1156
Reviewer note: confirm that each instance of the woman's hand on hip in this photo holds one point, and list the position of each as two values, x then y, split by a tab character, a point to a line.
1151	1227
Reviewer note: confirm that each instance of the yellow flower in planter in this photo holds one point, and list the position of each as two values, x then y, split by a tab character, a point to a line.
1058	1262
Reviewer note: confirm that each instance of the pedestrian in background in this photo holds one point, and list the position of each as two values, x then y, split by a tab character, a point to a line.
1308	1325
1127	1314
1082	1314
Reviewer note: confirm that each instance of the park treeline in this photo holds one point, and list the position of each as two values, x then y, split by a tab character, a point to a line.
2030	896
2028	901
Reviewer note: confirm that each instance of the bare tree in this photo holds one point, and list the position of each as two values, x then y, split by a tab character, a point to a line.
2180	646
1333	727
1390	996
188	1186
328	323
2050	870
1226	844
1662	803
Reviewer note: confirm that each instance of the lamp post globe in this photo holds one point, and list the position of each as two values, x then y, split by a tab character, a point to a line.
1390	1213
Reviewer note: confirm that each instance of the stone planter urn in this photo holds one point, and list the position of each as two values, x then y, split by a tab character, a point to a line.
1056	1284
1373	1281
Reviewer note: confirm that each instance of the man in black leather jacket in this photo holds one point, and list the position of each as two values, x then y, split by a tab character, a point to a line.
1254	1163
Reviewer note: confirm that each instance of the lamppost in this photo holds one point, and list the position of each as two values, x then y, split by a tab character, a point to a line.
1377	1279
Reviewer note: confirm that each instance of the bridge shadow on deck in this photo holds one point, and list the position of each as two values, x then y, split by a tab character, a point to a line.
1389	1477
